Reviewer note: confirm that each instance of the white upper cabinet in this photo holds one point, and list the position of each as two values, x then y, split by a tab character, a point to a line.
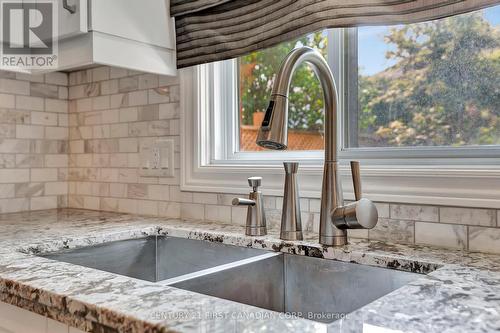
72	18
144	21
133	34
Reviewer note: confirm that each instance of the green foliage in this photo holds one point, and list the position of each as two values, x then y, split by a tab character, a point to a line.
443	90
257	72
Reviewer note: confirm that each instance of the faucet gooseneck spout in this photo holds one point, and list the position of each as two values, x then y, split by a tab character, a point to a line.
335	217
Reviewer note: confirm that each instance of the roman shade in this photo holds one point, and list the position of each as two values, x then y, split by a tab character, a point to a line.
213	30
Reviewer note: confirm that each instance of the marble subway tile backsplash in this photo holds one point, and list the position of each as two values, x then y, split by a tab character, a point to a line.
484	239
112	113
33	141
483	217
446	235
398	231
415	213
74	141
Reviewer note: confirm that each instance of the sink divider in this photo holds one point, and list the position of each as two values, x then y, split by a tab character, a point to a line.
219	268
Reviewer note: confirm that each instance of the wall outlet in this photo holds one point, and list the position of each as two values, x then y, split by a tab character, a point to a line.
157	158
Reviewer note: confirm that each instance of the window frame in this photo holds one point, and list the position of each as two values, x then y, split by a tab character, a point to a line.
210	161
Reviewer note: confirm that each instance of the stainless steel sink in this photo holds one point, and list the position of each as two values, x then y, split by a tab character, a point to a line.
316	289
155	258
313	288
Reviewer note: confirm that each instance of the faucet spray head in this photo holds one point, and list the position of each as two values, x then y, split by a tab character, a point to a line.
273	133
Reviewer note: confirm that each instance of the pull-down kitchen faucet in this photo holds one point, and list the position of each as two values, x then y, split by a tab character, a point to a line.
335	216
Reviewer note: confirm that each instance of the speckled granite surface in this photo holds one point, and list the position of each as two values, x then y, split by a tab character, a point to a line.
460	294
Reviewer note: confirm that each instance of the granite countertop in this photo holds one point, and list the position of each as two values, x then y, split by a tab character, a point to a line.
461	293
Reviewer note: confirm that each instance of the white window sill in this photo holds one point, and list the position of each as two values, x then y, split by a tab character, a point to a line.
444	186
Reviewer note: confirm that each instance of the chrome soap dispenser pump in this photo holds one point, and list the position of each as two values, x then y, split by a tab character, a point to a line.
291	224
256	216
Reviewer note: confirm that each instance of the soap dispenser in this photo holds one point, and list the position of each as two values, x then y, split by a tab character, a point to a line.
256	216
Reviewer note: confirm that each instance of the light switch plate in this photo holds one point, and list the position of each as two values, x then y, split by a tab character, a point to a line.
157	159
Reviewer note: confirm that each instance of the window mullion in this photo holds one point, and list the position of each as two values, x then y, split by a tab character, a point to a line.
351	104
337	60
217	124
233	108
223	108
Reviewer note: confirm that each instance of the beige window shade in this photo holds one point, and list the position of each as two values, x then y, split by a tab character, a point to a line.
213	30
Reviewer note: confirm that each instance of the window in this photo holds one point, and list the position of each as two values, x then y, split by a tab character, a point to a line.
419	106
428	84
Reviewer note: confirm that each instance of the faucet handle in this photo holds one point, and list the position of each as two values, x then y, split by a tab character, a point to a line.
361	214
356	179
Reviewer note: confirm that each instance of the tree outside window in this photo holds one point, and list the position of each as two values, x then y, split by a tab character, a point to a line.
441	87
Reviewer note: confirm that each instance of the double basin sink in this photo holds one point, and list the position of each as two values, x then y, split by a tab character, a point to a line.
323	289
